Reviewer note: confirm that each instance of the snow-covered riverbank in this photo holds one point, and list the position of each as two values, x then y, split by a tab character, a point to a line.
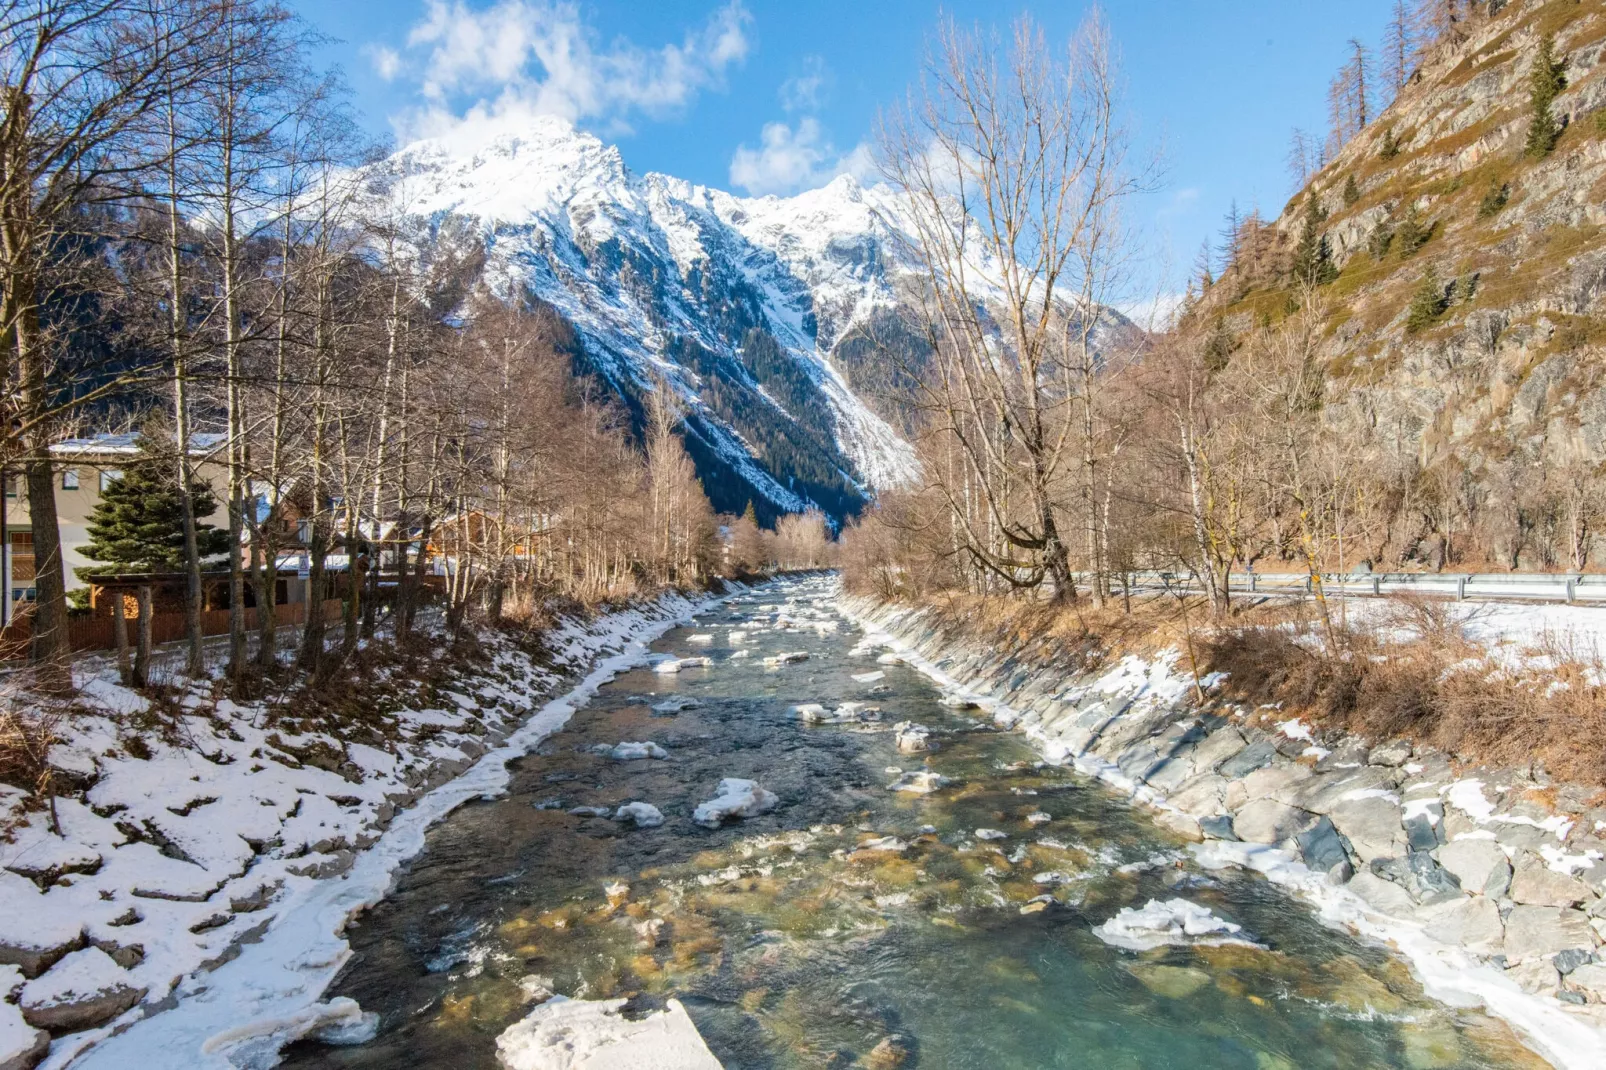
1493	898
208	874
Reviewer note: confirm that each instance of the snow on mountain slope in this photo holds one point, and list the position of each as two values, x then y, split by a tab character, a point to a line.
663	278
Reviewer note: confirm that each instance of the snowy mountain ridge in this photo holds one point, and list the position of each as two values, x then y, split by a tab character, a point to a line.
665	279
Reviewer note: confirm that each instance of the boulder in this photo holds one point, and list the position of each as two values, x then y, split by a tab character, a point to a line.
1371	824
1320	793
1381	895
1423	819
83	990
1322	848
21	1045
1473	923
1394	753
1589	979
1349	753
1180	824
1268	821
1423	879
1535	975
1217	747
1246	761
1202	797
1480	865
1533	932
1218	827
911	738
1278	782
1534	883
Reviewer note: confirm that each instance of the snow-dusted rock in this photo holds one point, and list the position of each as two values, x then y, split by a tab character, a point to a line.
869	677
777	660
675	705
32	934
991	834
919	782
811	713
737	798
1174	921
1533	882
645	815
635	751
83	990
21	1045
572	1034
911	738
700	638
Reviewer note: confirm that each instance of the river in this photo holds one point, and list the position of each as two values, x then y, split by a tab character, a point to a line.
1011	918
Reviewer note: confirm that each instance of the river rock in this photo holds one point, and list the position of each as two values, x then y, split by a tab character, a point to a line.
1371	824
21	1045
1268	821
911	738
919	782
1246	761
644	815
737	798
1203	796
1218	827
1590	979
83	990
1180	824
637	751
1381	895
1536	884
1535	975
1394	753
1480	865
1322	848
1273	782
1349	754
1423	818
1473	923
1424	879
1320	793
1533	932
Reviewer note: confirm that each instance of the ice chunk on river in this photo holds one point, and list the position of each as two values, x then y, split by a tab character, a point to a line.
572	1034
632	751
736	798
869	677
700	637
645	815
786	658
1175	921
912	738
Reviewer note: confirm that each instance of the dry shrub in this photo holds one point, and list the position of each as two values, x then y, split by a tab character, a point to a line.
29	726
1435	688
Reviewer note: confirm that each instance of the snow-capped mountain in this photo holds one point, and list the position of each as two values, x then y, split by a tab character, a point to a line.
737	302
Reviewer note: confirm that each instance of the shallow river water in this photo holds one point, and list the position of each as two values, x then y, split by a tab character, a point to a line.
806	938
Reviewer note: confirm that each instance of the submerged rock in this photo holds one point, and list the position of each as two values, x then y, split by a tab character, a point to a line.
919	782
737	798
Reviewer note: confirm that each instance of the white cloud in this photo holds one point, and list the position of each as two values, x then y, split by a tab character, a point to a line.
518	58
806	91
386	61
789	159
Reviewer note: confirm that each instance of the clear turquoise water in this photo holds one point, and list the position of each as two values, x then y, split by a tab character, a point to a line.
793	947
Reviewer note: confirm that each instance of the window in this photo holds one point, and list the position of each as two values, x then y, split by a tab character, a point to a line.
108	476
69	479
303	531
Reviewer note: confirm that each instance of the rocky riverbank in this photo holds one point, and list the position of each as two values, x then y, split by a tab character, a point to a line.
1490	881
187	838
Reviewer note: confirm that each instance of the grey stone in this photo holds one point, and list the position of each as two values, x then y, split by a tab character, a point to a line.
1536	884
1517	836
1217	747
1202	797
1268	821
1480	865
1349	752
1573	957
1534	975
1532	932
1590	978
1218	827
1275	782
1473	923
85	989
1321	846
1381	895
1181	824
1424	879
1170	774
1320	793
1246	761
1372	827
1423	825
1395	752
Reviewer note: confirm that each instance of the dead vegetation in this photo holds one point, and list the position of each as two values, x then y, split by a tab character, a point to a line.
1410	672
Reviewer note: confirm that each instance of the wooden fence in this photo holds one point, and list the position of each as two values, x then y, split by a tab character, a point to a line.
95	633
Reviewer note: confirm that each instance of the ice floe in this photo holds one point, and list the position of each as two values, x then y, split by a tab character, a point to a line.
737	798
1174	921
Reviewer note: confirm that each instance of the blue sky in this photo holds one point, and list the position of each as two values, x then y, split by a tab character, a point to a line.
767	96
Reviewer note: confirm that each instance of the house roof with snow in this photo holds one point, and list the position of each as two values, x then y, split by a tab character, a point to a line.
126	444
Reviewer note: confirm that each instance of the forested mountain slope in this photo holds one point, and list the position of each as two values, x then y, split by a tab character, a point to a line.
1456	243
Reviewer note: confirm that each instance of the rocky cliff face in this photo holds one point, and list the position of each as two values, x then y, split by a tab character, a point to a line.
1502	395
749	307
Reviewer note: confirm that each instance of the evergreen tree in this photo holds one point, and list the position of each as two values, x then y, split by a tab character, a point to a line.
1313	257
1390	147
1218	347
1413	233
1494	200
138	524
1545	81
1352	192
1427	304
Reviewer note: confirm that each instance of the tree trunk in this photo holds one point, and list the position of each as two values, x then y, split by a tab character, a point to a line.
120	636
142	653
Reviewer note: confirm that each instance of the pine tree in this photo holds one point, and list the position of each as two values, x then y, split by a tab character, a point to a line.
1413	233
1545	81
1494	200
138	524
1352	192
1390	147
1218	347
1427	304
1313	257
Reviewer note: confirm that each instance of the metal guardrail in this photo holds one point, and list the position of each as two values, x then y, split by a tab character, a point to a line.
1535	586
